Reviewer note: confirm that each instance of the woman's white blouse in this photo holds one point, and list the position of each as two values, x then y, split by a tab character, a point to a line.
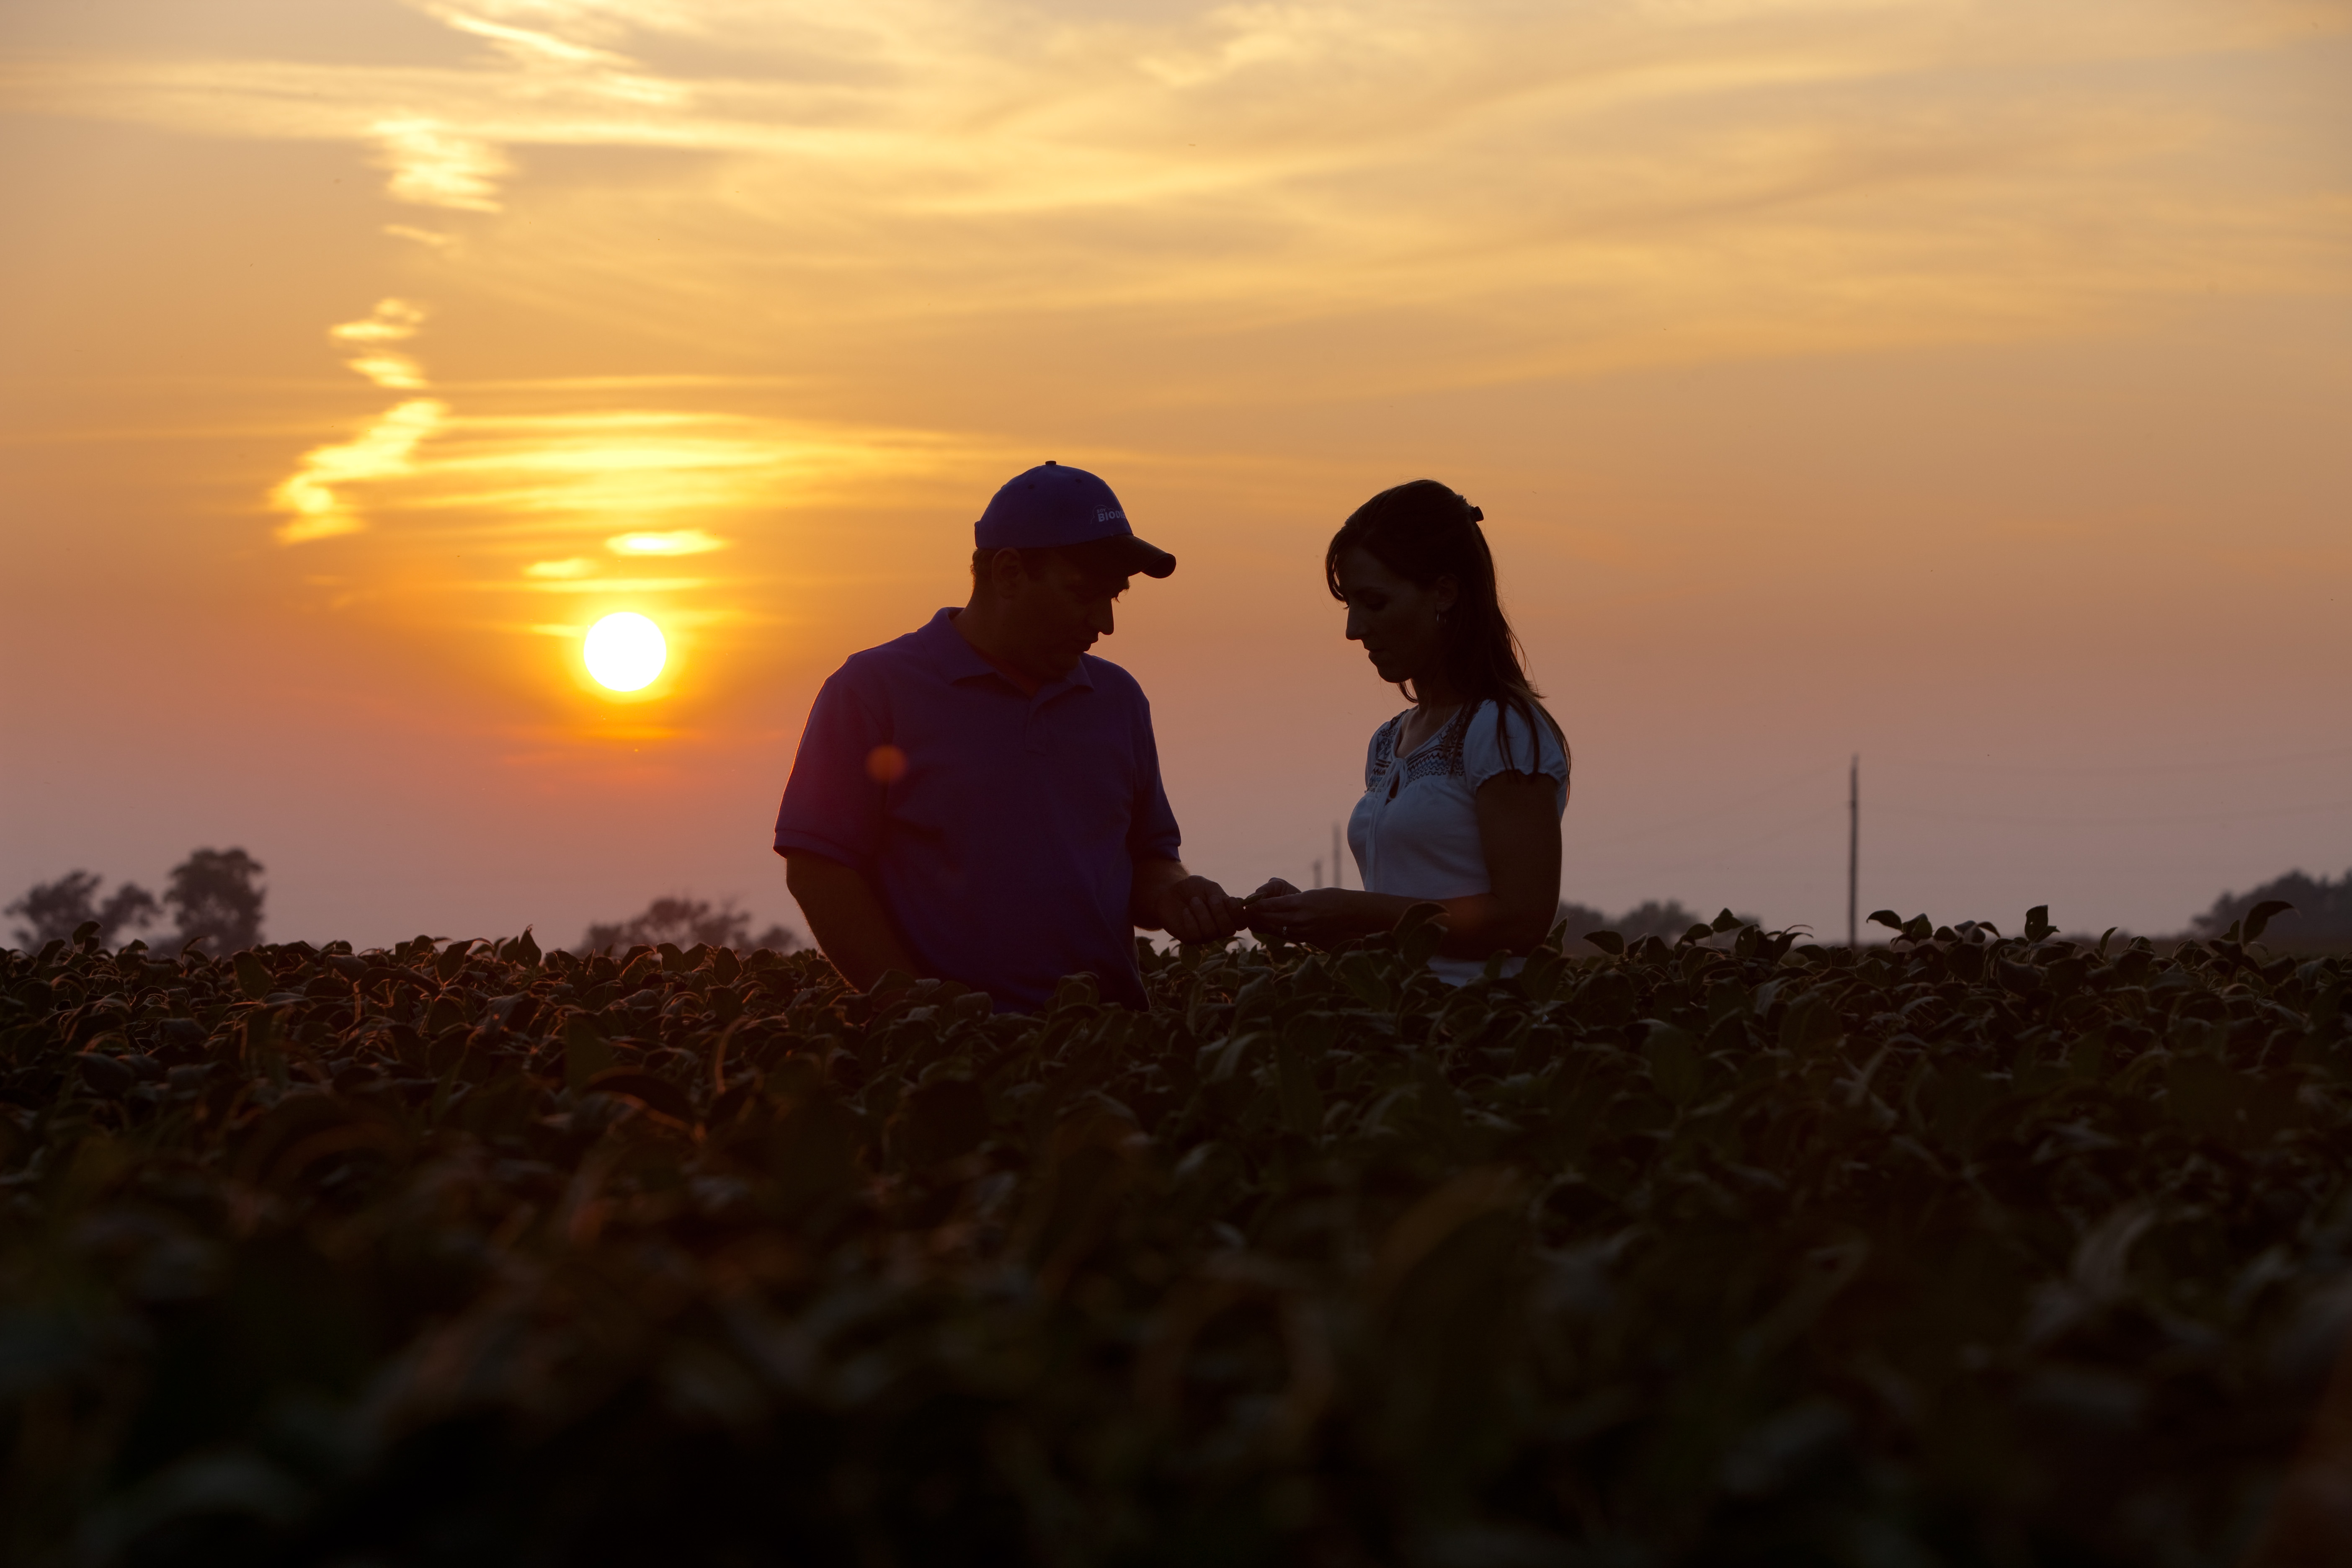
1415	831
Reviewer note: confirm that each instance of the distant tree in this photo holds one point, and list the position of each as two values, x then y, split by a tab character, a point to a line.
1650	918
1668	921
215	901
2322	915
56	910
686	922
1582	917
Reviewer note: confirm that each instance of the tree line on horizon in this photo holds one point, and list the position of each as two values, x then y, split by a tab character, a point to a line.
212	899
2320	916
687	923
213	903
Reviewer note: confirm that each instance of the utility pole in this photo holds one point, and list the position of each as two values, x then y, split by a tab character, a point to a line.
1853	852
1339	879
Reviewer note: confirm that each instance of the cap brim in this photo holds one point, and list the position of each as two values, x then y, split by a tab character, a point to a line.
1135	556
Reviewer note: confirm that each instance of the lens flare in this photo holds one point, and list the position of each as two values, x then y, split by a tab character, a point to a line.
624	651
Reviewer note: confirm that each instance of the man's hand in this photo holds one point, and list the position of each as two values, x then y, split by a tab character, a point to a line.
1197	910
1188	907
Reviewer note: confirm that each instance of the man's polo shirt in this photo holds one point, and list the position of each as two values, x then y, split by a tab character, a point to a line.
1000	828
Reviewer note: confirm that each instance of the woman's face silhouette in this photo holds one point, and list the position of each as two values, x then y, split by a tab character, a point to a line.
1395	618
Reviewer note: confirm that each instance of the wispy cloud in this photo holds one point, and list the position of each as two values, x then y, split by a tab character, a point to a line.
553	496
536	480
628	586
370	339
676	541
1516	192
1224	203
433	165
386	450
425	237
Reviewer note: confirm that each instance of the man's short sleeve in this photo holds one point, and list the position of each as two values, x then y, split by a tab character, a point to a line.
833	805
1152	835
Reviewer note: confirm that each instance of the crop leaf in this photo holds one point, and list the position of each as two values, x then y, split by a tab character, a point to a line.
253	976
585	1054
1541	977
1364	981
1418	933
2259	917
1676	1067
1302	1102
1812	1024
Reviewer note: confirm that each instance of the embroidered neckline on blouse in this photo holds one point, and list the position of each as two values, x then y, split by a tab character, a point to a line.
1437	757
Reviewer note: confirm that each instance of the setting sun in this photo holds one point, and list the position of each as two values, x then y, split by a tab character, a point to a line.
624	651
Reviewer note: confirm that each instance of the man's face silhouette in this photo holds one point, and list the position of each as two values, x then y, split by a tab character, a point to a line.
1053	610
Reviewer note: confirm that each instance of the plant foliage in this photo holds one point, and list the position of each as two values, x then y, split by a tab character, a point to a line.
1976	1249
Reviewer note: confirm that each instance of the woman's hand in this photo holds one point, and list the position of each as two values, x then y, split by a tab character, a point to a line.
1320	915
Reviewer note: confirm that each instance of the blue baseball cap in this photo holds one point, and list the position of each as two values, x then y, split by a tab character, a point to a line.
1052	505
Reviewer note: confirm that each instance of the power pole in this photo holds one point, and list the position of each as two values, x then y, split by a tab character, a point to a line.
1337	879
1854	853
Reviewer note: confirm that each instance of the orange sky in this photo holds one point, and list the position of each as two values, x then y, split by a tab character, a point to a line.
1961	383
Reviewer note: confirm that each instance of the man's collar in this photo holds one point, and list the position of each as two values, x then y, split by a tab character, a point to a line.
958	660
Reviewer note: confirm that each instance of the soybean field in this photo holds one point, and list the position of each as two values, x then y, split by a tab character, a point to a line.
1982	1246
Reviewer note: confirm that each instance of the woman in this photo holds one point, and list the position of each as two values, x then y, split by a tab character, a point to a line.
1464	790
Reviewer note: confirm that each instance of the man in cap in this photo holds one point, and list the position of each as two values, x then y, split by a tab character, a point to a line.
980	800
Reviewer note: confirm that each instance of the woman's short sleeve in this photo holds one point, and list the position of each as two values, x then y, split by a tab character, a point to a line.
1520	747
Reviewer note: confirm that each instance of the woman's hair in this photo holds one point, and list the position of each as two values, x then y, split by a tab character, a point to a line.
1422	532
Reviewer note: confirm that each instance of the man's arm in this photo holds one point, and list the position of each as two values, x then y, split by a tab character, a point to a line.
1188	907
848	922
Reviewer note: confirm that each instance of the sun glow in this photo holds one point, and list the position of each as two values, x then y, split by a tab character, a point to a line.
676	542
625	652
